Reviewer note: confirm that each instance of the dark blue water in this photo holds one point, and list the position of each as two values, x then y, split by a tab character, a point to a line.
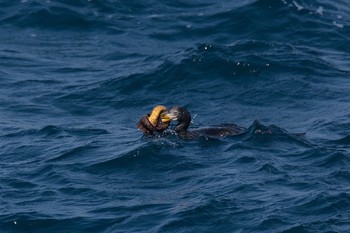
76	76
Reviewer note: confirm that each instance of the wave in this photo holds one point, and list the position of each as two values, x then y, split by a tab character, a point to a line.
77	155
204	68
155	154
32	221
58	15
342	141
56	131
260	136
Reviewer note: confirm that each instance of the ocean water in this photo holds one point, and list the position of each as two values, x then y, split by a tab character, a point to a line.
76	76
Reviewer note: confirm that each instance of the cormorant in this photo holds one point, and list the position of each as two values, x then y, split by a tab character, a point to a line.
183	117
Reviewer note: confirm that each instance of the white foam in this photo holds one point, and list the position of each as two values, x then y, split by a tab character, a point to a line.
319	10
339	25
299	7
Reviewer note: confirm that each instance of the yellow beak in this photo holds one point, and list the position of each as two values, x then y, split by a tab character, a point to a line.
165	117
168	115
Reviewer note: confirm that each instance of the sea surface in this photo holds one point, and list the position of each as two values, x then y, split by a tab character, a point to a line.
76	76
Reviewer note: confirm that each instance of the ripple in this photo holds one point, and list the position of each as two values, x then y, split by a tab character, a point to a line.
247	159
20	184
58	17
75	155
334	159
269	169
342	141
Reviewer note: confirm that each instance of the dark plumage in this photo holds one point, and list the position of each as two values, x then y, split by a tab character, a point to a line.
183	117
